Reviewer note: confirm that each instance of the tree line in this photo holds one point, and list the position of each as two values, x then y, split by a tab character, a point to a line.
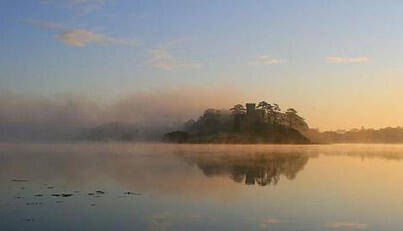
255	123
274	115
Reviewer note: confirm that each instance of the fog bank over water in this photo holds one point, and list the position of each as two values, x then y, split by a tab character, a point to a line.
26	117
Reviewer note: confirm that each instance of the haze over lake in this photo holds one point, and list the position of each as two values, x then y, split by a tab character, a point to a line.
116	186
181	115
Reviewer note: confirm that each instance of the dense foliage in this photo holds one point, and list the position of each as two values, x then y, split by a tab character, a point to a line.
265	123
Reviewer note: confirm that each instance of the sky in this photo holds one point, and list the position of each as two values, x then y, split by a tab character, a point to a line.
338	62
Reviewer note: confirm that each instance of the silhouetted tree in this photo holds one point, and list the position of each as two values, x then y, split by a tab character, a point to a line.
267	107
293	120
189	124
237	126
210	121
274	113
264	105
237	111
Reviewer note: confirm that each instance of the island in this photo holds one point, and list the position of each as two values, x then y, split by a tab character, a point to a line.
261	123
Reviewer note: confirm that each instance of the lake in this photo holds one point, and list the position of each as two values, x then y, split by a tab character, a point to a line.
200	187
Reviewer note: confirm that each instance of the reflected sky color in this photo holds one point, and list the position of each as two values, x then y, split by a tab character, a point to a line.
195	187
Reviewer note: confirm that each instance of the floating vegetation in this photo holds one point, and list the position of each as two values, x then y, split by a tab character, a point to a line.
19	180
133	193
67	194
34	203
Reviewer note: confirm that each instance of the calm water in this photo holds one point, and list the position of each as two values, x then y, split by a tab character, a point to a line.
200	187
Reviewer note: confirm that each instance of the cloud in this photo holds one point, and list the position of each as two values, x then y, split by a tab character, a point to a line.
43	24
80	37
345	225
267	60
339	59
83	37
163	59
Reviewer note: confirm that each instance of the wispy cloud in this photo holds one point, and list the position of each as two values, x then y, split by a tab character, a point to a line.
263	59
80	37
163	59
83	37
340	59
345	225
44	24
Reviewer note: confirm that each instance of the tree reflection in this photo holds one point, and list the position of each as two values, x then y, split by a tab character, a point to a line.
257	168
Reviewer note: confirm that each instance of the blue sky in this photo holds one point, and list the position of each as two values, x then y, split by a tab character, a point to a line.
322	57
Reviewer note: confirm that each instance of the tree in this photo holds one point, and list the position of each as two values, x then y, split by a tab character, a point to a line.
238	110
274	112
210	121
266	107
188	125
293	120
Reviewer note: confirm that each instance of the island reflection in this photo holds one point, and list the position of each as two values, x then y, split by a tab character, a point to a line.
260	168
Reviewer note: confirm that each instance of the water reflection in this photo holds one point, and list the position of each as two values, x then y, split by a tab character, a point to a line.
262	168
200	187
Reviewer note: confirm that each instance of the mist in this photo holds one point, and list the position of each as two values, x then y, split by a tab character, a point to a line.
65	116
